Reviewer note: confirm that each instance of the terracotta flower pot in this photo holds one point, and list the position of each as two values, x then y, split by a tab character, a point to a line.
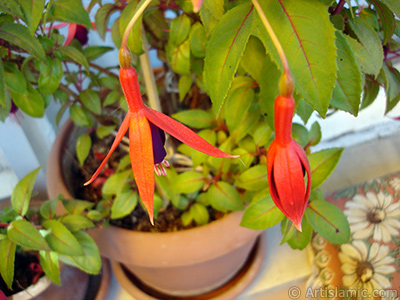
187	262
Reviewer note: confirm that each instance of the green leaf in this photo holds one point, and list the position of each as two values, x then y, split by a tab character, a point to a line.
238	101
308	40
224	195
329	221
304	110
392	86
50	76
188	182
200	157
370	92
90	261
102	17
211	12
268	83
3	95
184	85
15	79
71	11
80	115
76	206
224	49
103	131
75	55
76	222
314	135
179	30
20	36
179	57
115	33
48	208
195	118
26	235
296	239
186	218
322	163
91	101
111	98
93	52
386	18
262	134
261	214
11	8
369	50
394	5
50	265
94	215
7	252
115	183
135	35
254	179
346	94
199	213
33	13
22	192
252	58
124	204
30	103
248	124
83	145
198	40
61	239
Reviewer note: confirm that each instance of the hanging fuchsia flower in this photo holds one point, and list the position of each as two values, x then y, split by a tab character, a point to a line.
146	136
287	163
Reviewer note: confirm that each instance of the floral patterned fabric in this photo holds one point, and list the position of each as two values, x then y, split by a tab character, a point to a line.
368	266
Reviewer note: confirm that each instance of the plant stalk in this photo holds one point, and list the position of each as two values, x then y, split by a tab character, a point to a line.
139	10
273	36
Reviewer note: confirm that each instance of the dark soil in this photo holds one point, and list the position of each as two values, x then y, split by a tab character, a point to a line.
168	218
23	274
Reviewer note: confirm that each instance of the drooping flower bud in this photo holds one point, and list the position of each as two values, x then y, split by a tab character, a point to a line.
287	163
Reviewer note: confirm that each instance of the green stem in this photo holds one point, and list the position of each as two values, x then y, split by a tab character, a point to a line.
139	10
273	36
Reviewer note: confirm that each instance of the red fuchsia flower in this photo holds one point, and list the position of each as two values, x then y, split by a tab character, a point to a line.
287	163
2	296
146	136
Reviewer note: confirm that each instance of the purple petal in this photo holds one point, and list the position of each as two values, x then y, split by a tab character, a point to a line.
81	34
158	139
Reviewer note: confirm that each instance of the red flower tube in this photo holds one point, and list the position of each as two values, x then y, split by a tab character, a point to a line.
286	161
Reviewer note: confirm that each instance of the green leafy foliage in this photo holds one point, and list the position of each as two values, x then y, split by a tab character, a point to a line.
329	221
50	265
261	213
71	11
21	195
309	47
224	49
26	235
61	239
20	36
322	164
195	118
83	145
7	251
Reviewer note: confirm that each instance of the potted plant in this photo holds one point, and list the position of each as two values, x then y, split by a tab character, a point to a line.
225	49
36	243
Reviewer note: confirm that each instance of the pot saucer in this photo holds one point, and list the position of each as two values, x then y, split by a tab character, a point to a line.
228	291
